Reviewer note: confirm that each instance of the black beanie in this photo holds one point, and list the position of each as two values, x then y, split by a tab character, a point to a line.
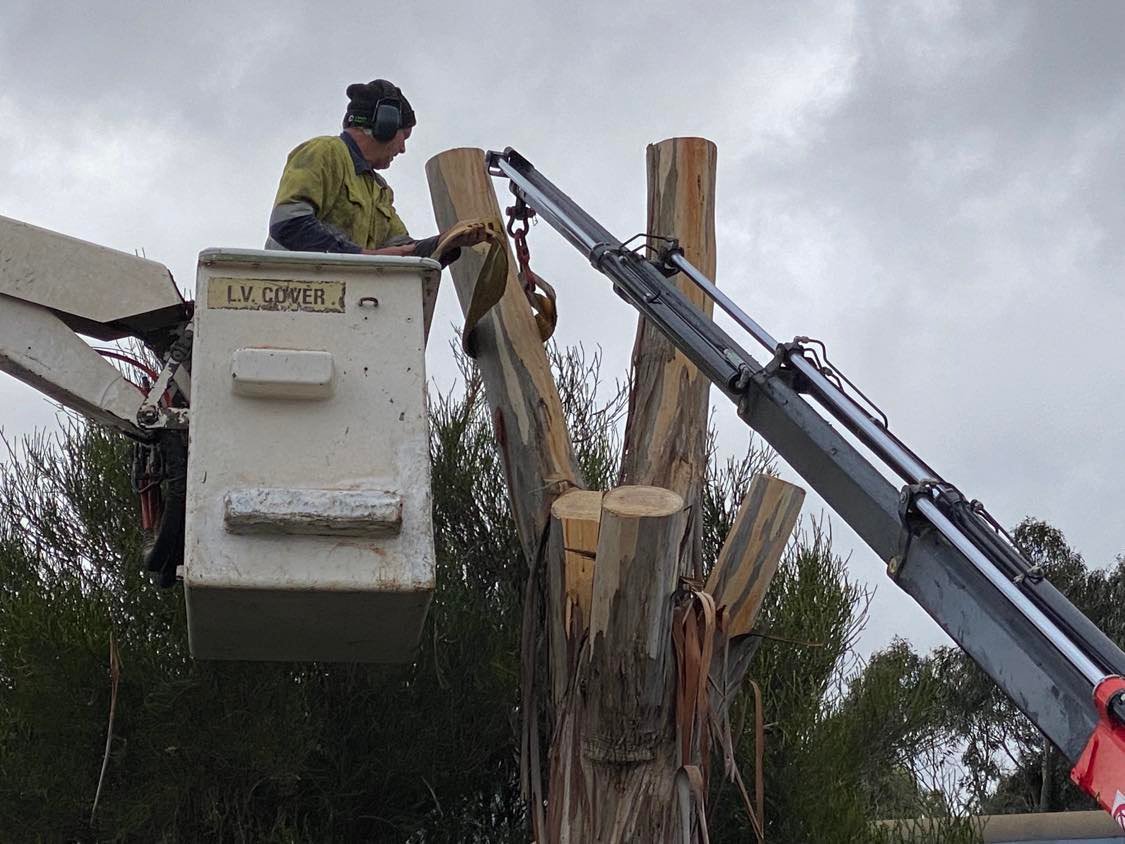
363	96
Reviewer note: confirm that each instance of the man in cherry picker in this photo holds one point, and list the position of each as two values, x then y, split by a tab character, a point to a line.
332	197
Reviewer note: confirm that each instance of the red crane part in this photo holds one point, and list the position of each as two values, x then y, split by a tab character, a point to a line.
1100	770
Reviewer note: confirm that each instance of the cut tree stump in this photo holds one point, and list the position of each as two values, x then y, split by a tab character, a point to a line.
753	549
613	760
742	575
571	551
631	621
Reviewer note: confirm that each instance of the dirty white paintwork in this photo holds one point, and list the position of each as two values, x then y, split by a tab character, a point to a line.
282	373
277	594
80	278
321	512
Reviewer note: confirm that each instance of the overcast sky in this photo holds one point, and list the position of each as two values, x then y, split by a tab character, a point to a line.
935	189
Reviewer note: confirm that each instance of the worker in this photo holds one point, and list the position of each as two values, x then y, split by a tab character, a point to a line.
331	197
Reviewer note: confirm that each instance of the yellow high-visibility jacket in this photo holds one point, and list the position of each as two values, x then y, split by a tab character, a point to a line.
331	200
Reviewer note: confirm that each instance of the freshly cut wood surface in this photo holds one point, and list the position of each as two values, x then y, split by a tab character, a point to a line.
642	501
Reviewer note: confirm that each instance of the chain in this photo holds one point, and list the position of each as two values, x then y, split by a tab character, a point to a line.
540	295
519	217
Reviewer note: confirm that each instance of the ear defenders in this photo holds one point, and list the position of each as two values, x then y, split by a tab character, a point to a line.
386	119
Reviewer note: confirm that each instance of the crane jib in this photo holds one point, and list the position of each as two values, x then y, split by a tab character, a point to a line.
943	550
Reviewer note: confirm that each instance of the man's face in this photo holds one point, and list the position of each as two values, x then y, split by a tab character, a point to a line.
382	154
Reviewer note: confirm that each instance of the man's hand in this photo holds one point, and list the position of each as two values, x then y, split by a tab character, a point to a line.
399	251
446	247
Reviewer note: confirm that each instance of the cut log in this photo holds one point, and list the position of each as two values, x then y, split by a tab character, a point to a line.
741	577
530	426
666	431
753	549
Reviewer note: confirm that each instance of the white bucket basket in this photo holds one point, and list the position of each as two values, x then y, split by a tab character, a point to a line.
309	531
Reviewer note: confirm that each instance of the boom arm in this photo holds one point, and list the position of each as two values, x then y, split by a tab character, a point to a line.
54	287
944	550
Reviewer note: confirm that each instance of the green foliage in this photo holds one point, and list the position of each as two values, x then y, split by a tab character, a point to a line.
723	488
422	753
928	830
844	741
245	751
591	418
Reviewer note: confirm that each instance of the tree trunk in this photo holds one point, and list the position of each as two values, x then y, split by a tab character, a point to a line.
631	621
529	423
614	756
526	411
666	432
611	563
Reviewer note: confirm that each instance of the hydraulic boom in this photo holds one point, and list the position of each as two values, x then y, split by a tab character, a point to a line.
942	548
